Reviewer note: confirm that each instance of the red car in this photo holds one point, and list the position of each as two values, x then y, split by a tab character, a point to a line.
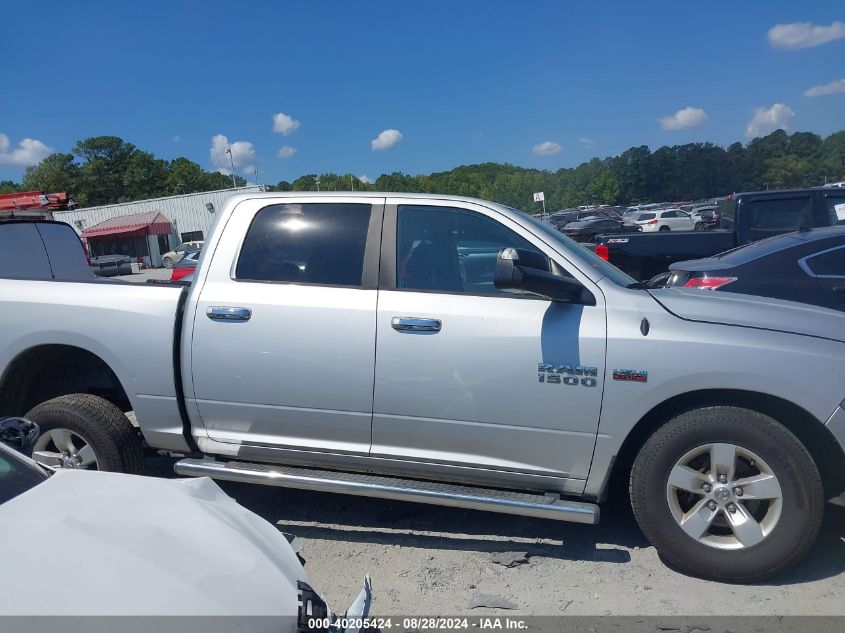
185	266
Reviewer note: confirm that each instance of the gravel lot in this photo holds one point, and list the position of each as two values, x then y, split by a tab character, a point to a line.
428	560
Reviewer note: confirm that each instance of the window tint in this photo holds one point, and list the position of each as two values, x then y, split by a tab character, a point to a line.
65	251
835	209
22	252
670	214
784	214
646	216
16	476
829	263
306	243
450	250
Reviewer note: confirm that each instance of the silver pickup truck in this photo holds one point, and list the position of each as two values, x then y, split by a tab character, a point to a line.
450	351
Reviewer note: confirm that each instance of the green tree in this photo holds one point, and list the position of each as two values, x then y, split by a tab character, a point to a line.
785	172
145	176
8	186
105	159
56	173
185	176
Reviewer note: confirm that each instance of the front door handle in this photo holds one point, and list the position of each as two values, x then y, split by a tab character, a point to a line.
222	313
415	324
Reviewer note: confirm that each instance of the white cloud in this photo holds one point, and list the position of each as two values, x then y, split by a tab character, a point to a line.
587	142
284	124
547	148
768	120
386	139
243	153
28	152
827	89
286	151
683	119
177	139
366	179
804	35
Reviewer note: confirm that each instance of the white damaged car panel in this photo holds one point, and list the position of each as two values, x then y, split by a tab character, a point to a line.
97	543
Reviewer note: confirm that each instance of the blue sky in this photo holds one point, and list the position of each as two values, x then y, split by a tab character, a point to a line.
462	82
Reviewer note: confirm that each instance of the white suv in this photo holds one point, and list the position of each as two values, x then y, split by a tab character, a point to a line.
171	257
666	220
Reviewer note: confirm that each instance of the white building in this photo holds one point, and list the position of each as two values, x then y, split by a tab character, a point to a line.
191	217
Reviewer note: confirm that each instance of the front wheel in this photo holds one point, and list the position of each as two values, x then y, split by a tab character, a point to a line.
167	262
728	494
699	226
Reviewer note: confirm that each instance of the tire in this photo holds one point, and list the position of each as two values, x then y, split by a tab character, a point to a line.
797	512
663	228
167	262
699	226
97	422
659	280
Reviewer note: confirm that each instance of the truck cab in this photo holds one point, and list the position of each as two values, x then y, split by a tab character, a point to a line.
446	350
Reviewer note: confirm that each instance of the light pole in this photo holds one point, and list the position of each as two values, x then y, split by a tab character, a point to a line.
232	162
317	180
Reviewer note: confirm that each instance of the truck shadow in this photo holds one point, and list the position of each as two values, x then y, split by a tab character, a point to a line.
316	515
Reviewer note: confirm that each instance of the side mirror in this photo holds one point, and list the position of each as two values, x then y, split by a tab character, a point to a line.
521	271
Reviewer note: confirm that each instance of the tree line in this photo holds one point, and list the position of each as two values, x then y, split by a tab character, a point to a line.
106	169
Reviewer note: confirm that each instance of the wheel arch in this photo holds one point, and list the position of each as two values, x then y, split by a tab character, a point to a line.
813	434
46	371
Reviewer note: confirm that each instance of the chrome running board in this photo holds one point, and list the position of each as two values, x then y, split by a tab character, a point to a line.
544	506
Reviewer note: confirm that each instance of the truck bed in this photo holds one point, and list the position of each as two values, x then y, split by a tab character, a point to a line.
129	326
644	255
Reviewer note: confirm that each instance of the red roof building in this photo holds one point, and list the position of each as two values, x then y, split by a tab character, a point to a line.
132	225
142	237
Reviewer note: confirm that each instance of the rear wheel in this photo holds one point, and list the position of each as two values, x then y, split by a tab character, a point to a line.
167	262
663	228
727	493
699	226
85	432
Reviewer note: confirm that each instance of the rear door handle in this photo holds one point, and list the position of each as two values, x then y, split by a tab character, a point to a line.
222	313
415	324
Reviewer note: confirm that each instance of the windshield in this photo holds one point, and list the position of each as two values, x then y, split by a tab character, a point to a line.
586	255
17	474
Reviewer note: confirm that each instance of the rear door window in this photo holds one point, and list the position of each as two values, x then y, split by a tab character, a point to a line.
828	264
771	216
22	252
313	243
835	208
65	252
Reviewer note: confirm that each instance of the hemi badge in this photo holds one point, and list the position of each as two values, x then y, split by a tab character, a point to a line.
630	375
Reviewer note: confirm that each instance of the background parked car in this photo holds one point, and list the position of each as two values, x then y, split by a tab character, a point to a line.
185	266
586	229
171	257
706	217
666	220
744	218
805	266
